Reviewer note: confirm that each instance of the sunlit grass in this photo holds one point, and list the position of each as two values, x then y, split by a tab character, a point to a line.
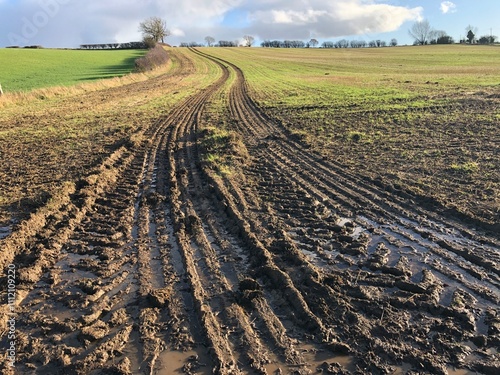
28	69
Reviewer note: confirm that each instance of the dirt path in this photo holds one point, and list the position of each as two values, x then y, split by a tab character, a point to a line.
157	265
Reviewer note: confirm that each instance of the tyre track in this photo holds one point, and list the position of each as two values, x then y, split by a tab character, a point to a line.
106	292
156	265
423	239
282	292
236	348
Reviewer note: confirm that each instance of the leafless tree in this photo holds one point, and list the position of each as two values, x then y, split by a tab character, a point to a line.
155	28
210	41
248	40
313	42
394	42
421	32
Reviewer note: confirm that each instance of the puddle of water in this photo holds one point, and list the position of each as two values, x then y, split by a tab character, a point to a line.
343	221
173	362
313	257
5	232
423	257
315	358
453	371
155	262
405	368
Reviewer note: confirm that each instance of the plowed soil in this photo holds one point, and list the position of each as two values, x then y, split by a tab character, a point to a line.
158	264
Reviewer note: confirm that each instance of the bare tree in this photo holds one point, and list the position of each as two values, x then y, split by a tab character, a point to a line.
155	28
248	40
210	41
394	42
421	32
313	42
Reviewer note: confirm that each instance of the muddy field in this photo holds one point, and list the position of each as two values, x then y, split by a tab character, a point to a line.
157	263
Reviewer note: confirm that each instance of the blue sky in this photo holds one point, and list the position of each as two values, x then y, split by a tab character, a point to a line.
69	23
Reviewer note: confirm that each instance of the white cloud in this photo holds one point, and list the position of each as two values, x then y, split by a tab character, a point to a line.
288	16
68	23
448	7
327	19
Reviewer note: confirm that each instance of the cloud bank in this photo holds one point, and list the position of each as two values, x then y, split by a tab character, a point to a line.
68	23
327	19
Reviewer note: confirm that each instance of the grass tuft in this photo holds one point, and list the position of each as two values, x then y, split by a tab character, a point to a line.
467	168
222	150
356	136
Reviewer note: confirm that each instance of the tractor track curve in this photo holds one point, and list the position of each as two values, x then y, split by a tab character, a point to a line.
156	265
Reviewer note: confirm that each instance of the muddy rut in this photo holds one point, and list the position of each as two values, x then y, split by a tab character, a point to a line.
155	264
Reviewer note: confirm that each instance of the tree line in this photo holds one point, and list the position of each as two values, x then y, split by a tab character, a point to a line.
423	34
248	42
129	45
154	30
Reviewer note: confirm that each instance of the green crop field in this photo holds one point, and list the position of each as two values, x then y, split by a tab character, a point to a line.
27	69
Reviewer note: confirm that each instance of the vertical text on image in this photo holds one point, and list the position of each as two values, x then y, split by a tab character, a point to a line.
11	323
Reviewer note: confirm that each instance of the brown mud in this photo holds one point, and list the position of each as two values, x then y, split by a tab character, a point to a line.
156	264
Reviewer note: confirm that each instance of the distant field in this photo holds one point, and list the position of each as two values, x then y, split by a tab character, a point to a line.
28	69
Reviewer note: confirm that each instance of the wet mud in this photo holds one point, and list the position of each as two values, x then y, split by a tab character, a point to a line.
157	264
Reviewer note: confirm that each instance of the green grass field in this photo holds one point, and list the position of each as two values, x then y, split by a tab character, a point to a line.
28	69
372	76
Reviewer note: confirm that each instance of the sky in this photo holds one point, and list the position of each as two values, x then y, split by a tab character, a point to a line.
69	23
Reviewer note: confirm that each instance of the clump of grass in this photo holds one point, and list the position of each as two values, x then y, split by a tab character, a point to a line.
222	150
465	168
356	136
